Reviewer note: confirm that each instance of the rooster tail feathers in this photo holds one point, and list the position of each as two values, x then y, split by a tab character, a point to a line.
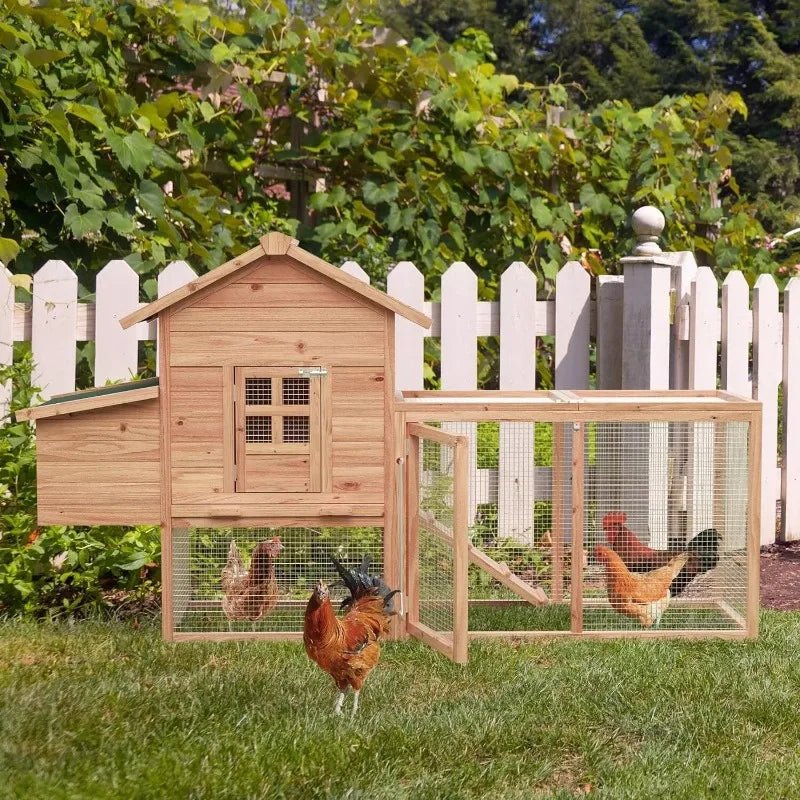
706	545
360	583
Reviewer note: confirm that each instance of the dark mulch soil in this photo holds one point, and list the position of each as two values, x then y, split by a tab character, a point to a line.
780	576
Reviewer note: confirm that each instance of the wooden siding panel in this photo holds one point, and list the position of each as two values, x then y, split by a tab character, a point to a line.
277	319
280	473
196	427
299	348
253	295
100	467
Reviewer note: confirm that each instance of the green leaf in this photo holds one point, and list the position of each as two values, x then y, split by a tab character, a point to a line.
88	113
151	198
134	151
40	57
542	215
8	250
467	160
497	161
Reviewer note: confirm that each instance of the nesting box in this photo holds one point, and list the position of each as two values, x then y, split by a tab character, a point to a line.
273	438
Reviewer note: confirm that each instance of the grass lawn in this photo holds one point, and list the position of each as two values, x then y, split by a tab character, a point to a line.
98	710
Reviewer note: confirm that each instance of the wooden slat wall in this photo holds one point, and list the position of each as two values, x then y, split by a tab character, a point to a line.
100	467
278	313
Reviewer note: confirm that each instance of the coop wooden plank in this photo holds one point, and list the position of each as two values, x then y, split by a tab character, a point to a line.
278	473
279	270
362	383
192	481
354	454
203	520
136	512
301	348
267	510
576	578
277	410
499	571
197	453
87	404
558	513
641	633
228	430
87	472
111	425
433	639
325	437
83	451
165	487
250	296
196	380
433	434
754	523
330	318
357	479
244	636
246	499
357	429
267	449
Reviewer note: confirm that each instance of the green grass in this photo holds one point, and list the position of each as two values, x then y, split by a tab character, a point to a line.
104	711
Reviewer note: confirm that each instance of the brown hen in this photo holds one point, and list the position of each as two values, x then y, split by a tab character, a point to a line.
251	595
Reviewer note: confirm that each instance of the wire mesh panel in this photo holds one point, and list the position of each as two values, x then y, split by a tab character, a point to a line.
259	579
436	514
665	523
519	499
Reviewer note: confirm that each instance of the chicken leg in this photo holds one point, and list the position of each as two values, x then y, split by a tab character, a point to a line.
337	709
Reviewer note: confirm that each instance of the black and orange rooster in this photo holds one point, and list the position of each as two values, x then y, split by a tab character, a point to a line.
703	551
348	647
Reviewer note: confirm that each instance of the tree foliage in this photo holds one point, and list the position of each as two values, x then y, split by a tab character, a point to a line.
151	131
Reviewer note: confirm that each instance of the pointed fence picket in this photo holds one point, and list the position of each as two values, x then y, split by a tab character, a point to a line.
55	321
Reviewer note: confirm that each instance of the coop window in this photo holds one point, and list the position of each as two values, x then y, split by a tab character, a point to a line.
278	441
258	429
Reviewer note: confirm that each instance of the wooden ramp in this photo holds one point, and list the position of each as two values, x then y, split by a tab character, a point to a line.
497	569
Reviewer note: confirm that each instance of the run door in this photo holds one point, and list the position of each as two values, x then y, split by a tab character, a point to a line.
437	540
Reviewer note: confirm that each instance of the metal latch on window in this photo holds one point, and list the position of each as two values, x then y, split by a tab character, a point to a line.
312	372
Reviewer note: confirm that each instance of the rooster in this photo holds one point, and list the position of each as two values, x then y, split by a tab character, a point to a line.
703	551
252	594
348	647
644	597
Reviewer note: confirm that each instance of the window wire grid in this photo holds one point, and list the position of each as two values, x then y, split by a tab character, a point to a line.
674	481
436	506
200	555
258	391
296	391
296	430
258	429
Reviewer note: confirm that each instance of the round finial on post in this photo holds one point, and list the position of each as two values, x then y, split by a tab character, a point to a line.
647	223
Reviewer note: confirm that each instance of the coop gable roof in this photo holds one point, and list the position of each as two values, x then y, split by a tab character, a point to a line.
90	399
278	244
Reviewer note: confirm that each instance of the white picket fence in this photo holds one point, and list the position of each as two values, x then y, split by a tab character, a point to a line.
702	317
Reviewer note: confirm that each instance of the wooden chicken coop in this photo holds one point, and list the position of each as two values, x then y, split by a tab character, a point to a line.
273	438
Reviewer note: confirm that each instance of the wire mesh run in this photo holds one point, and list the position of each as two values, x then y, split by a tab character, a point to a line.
258	429
435	562
660	488
218	588
258	391
668	507
296	391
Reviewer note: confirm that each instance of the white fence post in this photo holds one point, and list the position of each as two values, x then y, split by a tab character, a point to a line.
736	335
116	350
645	365
6	338
459	342
703	326
355	269
573	289
790	476
767	366
609	331
516	469
176	274
54	317
407	284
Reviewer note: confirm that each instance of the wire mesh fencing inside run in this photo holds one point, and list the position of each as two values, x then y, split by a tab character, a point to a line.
661	496
668	504
246	580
